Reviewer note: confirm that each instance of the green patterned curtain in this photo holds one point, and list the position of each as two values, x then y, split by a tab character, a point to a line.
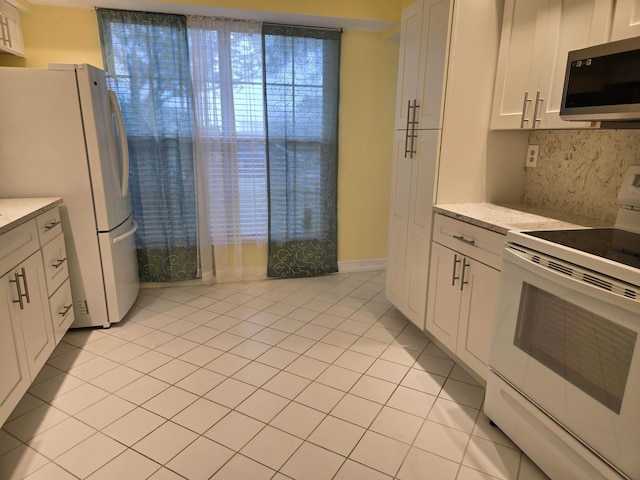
147	55
301	69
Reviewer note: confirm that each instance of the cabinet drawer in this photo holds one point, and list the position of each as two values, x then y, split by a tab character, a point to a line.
54	257
17	244
62	313
478	243
49	225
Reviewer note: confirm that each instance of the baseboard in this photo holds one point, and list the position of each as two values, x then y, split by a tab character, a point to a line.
354	266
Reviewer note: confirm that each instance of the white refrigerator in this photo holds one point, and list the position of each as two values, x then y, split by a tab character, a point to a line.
62	135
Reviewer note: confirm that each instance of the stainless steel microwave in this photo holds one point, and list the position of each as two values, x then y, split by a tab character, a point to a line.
602	83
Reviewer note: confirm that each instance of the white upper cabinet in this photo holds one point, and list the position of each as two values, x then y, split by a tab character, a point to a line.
422	63
10	30
536	37
626	20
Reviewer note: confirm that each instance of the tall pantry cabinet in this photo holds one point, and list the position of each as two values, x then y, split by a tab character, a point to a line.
423	46
447	59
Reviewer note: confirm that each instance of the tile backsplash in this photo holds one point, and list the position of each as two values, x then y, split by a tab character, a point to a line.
580	171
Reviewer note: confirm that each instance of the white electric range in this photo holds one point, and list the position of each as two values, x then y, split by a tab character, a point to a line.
565	356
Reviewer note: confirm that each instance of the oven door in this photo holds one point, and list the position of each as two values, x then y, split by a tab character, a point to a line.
572	349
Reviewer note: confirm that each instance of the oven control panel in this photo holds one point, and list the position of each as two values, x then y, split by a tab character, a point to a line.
629	193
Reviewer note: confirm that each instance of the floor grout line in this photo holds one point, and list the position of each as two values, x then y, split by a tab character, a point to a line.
392	341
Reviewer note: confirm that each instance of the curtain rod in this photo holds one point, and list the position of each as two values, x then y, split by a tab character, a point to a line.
271	24
309	27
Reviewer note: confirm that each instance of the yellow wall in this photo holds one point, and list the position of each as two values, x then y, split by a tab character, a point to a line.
58	35
384	10
368	84
367	103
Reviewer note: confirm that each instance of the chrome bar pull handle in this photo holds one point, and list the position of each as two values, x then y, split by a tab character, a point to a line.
465	240
59	263
456	261
65	310
51	225
414	122
26	286
16	280
536	108
407	151
413	128
408	114
464	282
21	294
523	118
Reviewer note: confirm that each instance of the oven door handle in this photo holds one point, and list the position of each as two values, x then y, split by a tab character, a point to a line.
519	258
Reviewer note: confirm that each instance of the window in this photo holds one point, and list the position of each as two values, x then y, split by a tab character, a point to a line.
247	134
227	72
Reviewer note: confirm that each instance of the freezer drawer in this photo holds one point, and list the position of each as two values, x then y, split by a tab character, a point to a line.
119	269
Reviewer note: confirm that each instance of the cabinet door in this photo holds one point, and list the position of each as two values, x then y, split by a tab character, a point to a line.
408	61
521	46
443	307
401	180
478	304
424	38
14	374
420	223
34	313
433	62
626	20
571	25
411	217
11	40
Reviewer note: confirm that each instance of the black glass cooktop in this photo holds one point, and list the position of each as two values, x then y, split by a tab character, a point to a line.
610	243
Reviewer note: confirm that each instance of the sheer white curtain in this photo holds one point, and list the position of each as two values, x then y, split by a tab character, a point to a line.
229	141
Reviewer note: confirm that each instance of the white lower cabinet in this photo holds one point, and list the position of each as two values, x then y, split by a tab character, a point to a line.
34	296
27	296
463	290
14	376
54	257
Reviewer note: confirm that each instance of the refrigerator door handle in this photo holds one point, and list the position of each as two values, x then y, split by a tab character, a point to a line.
124	148
126	235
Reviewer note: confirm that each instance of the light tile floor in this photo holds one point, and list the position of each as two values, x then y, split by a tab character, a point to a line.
307	379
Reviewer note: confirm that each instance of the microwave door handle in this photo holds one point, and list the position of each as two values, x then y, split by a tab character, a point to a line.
124	147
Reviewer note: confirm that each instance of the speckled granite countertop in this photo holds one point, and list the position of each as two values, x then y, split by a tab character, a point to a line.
504	217
16	211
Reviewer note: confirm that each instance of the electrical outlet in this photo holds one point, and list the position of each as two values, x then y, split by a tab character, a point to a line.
532	156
